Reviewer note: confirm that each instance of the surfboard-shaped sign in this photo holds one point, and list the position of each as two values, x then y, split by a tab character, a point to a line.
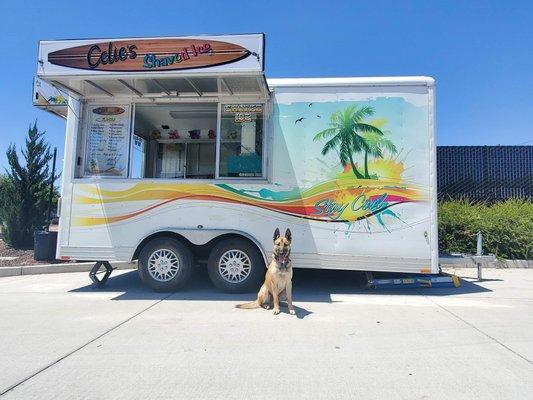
149	55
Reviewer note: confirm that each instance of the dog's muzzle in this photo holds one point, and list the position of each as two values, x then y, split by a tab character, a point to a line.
282	259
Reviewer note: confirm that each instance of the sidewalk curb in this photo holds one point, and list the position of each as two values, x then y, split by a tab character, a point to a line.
451	262
86	266
59	268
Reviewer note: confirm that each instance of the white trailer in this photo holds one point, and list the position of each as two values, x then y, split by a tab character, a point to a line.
178	149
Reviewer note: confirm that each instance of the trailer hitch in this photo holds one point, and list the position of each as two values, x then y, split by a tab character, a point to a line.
95	271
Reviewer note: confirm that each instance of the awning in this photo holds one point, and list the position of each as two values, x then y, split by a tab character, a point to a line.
50	98
164	87
188	67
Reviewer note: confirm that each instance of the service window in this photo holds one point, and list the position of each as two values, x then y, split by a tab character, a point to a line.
173	141
241	140
180	139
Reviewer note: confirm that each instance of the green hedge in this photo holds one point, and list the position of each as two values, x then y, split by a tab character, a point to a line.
507	228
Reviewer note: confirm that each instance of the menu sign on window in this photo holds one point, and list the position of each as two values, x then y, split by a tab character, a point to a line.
243	112
108	141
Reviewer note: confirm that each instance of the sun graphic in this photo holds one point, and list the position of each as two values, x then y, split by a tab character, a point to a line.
387	169
380	169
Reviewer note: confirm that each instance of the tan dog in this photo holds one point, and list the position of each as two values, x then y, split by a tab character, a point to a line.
278	278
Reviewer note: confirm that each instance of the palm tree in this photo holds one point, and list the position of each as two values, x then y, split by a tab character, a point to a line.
377	143
346	133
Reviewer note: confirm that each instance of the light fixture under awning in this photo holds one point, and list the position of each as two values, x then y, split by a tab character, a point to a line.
194	110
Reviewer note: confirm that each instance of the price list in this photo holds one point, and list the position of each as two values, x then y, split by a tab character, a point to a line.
108	141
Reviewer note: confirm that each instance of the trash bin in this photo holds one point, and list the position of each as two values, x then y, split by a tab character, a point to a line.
44	243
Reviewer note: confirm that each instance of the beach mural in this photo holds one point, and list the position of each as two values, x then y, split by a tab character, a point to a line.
341	162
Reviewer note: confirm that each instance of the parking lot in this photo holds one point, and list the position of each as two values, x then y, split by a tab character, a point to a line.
62	338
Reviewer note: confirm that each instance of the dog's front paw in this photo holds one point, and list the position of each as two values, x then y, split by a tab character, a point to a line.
292	312
276	311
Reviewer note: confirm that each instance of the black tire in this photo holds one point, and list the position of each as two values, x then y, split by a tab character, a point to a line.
257	268
185	264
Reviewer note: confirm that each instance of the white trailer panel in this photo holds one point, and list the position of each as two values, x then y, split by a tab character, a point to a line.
366	206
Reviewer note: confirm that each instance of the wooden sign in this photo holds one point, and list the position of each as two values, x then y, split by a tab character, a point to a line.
149	55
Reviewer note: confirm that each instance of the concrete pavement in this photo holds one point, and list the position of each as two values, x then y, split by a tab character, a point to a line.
61	338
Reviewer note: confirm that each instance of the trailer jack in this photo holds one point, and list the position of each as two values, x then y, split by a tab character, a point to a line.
95	271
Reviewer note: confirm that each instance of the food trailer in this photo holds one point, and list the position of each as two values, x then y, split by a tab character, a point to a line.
179	151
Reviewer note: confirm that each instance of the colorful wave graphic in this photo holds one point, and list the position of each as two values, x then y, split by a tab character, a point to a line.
338	200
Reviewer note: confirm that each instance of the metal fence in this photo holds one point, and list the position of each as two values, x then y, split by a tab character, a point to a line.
485	173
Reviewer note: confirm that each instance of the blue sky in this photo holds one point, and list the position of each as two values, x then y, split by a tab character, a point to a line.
480	52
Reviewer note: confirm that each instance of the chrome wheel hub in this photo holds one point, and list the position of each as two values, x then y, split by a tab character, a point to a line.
234	266
163	265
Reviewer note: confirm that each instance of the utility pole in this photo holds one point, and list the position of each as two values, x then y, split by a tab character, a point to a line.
52	180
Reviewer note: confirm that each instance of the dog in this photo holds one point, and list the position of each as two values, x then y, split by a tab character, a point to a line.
278	278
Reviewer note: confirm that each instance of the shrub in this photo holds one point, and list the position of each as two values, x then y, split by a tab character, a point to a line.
25	190
507	227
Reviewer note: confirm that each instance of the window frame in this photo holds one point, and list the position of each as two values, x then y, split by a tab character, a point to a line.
83	150
263	176
79	177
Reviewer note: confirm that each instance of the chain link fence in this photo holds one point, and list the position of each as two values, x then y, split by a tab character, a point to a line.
485	173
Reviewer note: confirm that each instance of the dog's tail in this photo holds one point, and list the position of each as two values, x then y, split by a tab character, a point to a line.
246	306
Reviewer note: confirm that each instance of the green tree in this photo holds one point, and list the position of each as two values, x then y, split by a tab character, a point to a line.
376	145
345	134
4	187
25	196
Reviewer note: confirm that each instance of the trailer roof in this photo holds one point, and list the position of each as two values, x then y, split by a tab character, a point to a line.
353	81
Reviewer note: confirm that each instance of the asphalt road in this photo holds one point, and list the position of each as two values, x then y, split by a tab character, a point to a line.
61	338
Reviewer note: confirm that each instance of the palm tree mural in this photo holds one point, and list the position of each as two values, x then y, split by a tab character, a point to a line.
348	133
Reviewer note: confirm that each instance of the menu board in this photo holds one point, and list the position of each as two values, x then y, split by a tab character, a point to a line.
243	112
108	140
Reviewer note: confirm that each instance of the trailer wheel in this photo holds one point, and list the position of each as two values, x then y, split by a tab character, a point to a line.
236	266
165	264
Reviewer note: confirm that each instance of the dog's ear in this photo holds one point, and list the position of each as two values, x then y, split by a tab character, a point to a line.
288	235
276	234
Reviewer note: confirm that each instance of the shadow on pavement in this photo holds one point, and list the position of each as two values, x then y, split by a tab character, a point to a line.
308	286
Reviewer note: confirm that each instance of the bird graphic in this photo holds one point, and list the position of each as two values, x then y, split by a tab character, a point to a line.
310	104
318	116
299	120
